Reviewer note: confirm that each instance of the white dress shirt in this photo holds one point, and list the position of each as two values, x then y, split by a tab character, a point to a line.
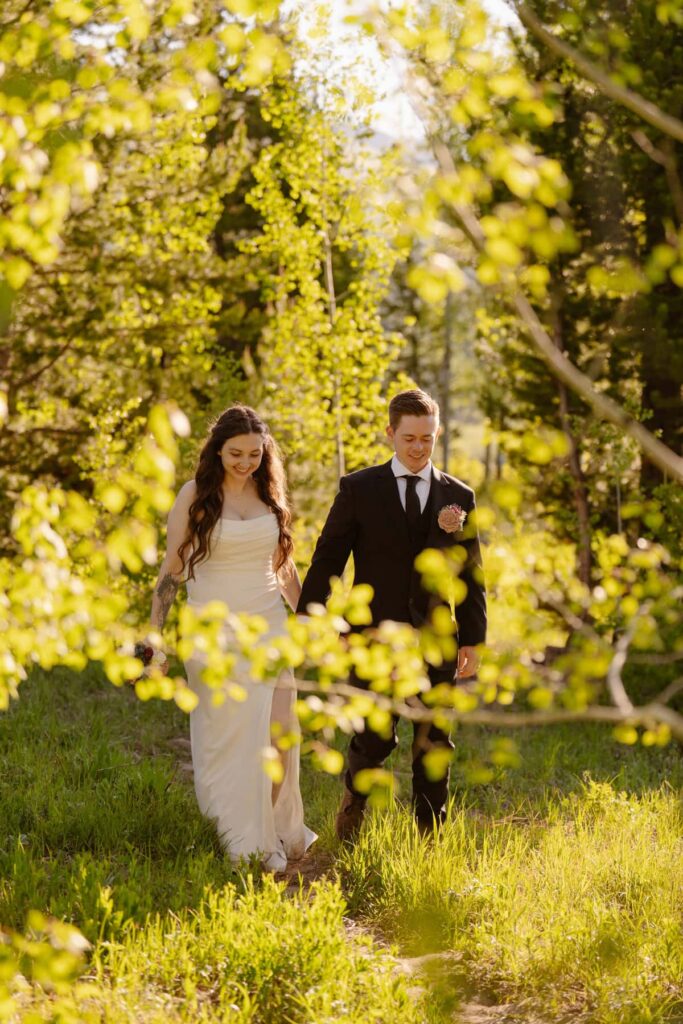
422	486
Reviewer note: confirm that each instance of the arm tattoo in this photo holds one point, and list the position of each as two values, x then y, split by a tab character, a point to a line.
166	591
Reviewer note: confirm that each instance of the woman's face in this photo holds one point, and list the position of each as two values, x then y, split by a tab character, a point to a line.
241	455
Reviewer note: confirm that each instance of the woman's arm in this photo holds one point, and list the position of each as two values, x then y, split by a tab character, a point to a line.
290	584
171	571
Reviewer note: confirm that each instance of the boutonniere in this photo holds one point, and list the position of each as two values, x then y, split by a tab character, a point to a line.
452	518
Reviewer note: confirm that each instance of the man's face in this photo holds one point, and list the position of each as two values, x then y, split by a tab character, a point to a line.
414	439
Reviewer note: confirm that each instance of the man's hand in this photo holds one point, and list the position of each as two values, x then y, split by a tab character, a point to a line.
468	662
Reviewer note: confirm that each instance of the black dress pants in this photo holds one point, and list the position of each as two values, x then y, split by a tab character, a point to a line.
370	750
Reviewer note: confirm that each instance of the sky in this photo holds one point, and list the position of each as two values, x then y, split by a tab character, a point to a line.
392	115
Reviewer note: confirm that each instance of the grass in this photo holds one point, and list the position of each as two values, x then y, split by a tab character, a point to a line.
576	913
101	829
255	957
90	797
556	889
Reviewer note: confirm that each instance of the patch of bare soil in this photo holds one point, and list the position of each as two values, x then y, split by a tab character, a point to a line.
440	975
182	750
314	865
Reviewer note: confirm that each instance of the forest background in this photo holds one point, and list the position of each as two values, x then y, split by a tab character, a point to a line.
196	211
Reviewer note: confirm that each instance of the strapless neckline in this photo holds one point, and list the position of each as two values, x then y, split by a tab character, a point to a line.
252	519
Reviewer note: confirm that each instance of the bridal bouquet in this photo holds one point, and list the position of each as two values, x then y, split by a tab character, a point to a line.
149	657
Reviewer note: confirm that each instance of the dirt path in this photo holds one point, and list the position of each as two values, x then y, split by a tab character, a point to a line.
422	973
437	971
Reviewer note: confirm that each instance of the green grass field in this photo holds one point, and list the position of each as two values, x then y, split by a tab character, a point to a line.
555	892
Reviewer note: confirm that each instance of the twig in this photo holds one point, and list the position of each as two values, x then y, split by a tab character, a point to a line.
656	659
670	691
666	159
572	620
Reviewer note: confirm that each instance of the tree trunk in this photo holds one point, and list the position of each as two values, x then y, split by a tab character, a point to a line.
332	306
445	382
580	492
488	460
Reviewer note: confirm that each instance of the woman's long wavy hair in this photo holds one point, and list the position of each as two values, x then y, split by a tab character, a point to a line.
205	510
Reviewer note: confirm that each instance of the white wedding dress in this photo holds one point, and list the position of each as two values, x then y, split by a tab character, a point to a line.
228	740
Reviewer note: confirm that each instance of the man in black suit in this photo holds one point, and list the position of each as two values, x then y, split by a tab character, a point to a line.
386	516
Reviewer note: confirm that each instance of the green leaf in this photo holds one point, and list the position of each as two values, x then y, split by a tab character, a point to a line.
625	734
677	275
541	698
376	781
17	272
186	699
113	498
234	38
437	762
330	761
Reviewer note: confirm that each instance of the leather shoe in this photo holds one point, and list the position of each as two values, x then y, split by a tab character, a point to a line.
349	816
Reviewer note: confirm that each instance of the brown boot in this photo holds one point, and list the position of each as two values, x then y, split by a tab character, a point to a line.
349	816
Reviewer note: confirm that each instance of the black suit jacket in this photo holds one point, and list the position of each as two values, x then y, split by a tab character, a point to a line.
368	520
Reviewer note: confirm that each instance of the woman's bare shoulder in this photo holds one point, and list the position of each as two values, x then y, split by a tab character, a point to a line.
187	493
181	505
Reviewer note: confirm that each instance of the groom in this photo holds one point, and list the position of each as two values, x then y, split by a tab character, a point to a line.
386	516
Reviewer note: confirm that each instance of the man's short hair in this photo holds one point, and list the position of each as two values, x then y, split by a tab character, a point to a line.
411	403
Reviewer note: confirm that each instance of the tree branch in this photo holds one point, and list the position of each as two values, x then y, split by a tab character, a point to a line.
615	684
646	110
562	368
23	381
657	452
646	716
17	17
47	430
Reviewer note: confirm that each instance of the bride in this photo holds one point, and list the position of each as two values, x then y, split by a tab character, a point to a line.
229	539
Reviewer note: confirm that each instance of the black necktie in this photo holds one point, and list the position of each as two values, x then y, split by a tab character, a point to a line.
413	510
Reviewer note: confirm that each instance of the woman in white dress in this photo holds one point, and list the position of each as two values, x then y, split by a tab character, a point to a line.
229	539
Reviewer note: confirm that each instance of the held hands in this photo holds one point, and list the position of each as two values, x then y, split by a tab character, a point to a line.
468	662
